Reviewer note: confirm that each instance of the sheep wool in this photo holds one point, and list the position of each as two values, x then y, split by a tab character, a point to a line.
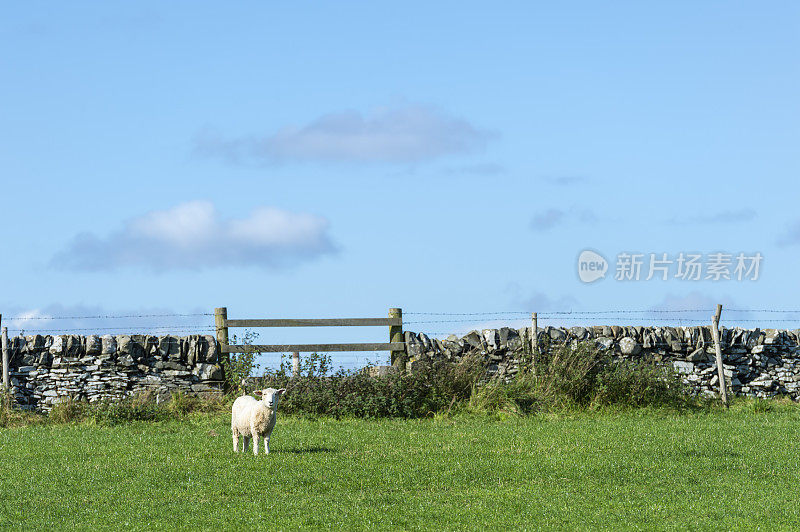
251	418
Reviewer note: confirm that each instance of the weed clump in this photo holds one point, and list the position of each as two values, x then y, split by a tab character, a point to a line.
580	376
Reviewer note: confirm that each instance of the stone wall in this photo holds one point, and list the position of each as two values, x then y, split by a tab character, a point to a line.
49	369
762	363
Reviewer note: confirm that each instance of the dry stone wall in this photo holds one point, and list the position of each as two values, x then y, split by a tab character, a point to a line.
761	363
45	370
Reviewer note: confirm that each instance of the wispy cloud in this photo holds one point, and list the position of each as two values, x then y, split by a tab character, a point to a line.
538	301
547	220
84	319
410	134
566	181
550	218
479	169
791	236
723	217
541	302
694	301
193	236
695	308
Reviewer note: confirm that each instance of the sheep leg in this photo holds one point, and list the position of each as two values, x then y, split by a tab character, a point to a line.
235	442
266	445
255	444
245	444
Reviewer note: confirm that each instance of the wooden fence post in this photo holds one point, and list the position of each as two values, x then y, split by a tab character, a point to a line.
295	365
534	339
723	387
6	377
397	358
220	315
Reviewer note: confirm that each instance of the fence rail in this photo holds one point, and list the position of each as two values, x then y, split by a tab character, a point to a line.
311	348
336	322
395	345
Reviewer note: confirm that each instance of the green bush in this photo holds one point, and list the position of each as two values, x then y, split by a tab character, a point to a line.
139	407
239	366
568	374
582	376
640	384
421	393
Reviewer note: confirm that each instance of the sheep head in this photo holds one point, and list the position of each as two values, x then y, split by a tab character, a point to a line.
270	396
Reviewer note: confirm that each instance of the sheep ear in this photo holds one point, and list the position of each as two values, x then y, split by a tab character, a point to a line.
257	392
282	390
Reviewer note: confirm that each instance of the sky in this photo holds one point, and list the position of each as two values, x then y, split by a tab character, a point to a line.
289	160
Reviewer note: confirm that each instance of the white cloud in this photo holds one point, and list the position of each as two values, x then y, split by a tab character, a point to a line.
193	236
409	134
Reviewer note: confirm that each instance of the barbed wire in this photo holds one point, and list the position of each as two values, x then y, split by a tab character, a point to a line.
593	312
560	318
465	313
694	345
107	317
140	328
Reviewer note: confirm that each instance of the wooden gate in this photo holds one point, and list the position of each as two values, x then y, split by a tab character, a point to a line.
395	345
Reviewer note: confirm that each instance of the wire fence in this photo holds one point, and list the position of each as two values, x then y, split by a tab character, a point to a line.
144	323
30	323
459	323
433	324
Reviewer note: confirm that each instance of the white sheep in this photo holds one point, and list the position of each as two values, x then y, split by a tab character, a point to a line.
251	418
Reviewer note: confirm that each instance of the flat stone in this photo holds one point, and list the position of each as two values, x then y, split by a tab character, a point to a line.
605	342
109	345
557	335
57	347
698	355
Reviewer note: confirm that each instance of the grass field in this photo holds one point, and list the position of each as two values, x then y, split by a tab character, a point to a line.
632	470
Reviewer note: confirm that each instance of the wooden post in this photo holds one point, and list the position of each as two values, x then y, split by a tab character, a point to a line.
534	339
6	377
295	365
220	315
723	387
396	335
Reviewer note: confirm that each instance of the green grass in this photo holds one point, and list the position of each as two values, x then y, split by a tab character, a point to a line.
627	470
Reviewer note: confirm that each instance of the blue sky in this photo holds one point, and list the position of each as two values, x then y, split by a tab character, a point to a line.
307	160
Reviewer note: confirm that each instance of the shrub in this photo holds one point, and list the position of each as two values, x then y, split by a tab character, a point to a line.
6	410
68	411
139	407
349	393
582	376
239	366
568	373
640	384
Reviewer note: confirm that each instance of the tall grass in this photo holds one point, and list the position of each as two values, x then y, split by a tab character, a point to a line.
583	376
138	407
